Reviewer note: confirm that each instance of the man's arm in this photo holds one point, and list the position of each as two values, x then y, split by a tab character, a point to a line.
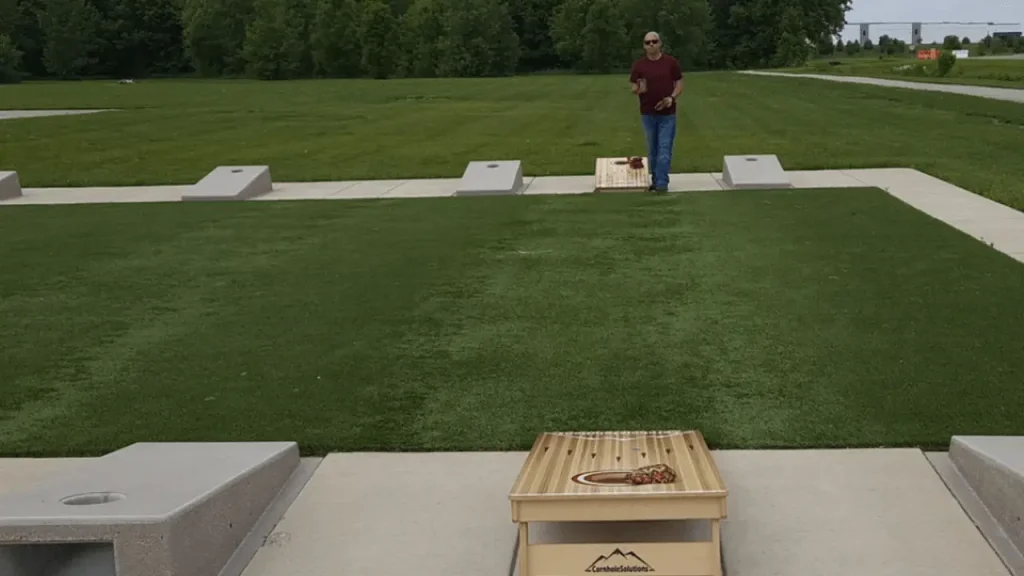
636	83
677	87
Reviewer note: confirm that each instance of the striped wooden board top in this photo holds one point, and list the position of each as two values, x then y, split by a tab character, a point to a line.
611	176
572	465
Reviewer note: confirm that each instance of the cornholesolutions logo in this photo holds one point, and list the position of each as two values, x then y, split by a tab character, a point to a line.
619	562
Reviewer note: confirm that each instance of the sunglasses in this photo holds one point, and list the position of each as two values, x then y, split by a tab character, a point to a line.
650	42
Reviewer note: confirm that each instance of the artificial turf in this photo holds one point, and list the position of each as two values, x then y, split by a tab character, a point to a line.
176	131
788	318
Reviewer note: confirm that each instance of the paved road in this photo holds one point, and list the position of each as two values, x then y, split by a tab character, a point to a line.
1008	94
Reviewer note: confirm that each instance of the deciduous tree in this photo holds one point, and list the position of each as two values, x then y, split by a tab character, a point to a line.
214	34
377	32
69	30
335	38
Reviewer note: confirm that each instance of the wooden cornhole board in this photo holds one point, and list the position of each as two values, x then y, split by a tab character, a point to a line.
619	477
615	175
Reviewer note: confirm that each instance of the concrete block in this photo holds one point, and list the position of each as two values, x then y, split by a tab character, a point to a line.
992	468
146	510
231	183
491	179
10	187
758	172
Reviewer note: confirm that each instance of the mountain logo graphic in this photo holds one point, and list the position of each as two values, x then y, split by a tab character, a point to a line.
619	562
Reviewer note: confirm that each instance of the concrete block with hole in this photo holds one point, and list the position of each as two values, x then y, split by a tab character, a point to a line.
10	186
231	183
492	178
755	172
146	510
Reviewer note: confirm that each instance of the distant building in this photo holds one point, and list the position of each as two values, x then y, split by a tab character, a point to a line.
1007	35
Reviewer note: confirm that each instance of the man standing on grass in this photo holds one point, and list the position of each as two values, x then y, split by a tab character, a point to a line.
658	81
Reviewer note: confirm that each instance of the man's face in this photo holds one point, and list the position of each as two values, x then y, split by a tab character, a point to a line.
652	44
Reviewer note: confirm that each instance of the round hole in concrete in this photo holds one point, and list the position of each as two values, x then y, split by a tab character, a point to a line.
621	162
751	159
492	165
92	498
236	171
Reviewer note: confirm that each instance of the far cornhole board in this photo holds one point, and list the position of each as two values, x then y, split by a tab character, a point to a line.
10	187
231	183
592	477
754	172
615	175
491	178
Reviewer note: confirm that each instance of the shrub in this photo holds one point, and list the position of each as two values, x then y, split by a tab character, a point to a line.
10	58
946	62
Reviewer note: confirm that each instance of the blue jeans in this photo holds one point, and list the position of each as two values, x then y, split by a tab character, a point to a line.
661	134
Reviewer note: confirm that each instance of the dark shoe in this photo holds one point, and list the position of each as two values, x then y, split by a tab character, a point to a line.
661	189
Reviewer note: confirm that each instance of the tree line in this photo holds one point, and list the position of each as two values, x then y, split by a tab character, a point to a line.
282	39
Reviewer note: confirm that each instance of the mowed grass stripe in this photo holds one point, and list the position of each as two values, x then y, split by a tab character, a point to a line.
766	319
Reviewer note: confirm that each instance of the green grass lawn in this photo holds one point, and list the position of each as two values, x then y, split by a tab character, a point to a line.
974	71
176	131
786	318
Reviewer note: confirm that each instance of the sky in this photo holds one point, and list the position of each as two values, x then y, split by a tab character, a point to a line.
934	11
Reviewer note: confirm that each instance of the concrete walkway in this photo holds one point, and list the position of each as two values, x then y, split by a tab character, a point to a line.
995	224
17	114
1008	94
791	513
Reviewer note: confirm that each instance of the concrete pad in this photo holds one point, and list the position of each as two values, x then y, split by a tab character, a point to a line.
756	171
370	189
791	513
424	188
19	474
839	512
101	195
166	508
1004	235
889	177
694	182
10	186
424	514
950	203
823	179
560	185
305	190
491	178
231	183
979	514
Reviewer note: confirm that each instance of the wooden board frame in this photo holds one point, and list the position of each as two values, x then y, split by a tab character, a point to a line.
604	477
615	175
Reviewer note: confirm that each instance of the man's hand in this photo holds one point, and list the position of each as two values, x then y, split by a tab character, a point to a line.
640	87
665	102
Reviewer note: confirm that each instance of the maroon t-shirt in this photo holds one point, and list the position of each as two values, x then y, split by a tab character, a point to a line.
661	76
